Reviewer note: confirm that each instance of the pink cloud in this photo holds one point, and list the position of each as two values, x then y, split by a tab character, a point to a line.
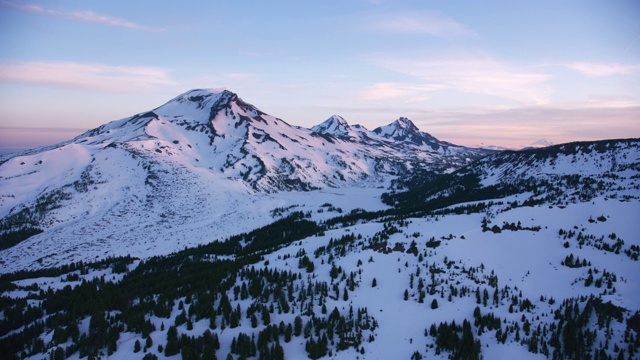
479	75
595	70
420	23
82	15
384	91
87	76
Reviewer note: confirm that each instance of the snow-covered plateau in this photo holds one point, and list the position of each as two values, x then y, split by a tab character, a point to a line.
206	229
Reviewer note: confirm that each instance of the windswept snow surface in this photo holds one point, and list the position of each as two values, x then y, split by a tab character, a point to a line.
118	221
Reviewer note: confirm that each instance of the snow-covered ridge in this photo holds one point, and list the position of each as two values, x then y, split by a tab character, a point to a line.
556	175
598	158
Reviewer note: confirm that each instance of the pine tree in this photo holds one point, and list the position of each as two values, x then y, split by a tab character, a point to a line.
288	331
277	352
297	326
266	318
173	346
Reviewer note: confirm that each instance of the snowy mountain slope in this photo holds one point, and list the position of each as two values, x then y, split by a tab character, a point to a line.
390	288
556	175
599	158
134	207
466	257
202	166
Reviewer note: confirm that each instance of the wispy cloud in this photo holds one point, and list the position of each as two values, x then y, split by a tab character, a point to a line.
519	127
431	23
87	76
388	90
476	75
596	70
81	15
4	129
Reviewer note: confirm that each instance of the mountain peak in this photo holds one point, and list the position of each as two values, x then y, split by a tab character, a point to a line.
339	120
405	123
400	129
404	130
335	125
542	143
200	97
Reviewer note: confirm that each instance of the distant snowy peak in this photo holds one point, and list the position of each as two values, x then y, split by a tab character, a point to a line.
400	127
543	142
494	147
405	130
538	144
337	126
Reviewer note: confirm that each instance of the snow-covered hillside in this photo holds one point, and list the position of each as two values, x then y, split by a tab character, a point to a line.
501	282
556	175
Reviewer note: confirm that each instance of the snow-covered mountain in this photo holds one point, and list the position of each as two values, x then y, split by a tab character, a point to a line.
218	131
204	165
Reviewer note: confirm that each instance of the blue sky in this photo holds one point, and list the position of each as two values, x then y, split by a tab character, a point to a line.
475	73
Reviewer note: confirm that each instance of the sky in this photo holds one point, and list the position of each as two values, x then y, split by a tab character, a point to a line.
475	73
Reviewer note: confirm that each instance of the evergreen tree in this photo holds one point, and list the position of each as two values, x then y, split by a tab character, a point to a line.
173	346
434	304
297	326
266	318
